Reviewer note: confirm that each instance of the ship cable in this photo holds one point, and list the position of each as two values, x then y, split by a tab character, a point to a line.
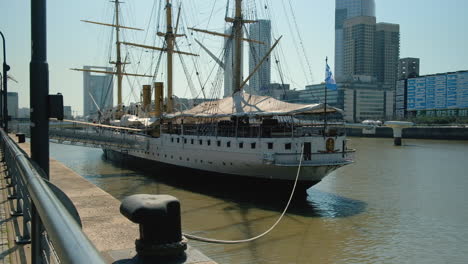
218	241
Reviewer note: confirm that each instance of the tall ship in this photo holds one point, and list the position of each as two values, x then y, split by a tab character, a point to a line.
243	135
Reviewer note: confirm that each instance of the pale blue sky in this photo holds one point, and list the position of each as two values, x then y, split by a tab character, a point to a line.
434	31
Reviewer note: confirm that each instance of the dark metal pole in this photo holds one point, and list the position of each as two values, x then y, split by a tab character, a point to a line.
39	90
6	68
325	118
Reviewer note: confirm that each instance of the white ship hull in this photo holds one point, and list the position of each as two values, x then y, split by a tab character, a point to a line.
261	158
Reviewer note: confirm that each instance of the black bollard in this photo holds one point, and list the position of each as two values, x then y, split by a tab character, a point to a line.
21	137
160	224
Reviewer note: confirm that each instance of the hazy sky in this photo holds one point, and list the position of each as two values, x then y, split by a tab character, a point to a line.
432	30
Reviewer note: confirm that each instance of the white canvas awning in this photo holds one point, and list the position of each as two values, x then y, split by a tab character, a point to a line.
243	104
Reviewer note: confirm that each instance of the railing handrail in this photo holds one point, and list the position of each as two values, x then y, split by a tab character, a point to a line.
70	243
318	153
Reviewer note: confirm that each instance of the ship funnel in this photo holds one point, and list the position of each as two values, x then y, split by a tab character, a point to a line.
158	98
146	97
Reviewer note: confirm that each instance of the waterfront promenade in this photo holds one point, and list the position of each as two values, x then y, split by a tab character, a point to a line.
112	234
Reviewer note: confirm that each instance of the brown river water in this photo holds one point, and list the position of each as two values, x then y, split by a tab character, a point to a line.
404	204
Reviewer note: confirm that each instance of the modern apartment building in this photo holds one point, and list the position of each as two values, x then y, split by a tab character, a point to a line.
359	46
387	52
346	9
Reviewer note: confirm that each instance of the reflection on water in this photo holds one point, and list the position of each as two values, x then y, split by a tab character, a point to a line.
394	205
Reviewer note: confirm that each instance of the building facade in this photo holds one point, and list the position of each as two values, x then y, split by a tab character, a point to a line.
12	100
260	81
408	68
67	112
316	94
359	46
24	112
443	94
346	9
97	90
360	99
367	102
387	52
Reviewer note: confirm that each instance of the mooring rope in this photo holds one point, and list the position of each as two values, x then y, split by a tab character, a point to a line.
218	241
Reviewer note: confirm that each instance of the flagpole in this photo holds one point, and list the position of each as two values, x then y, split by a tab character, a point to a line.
325	118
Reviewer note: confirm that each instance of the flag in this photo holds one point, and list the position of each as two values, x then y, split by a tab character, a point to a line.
330	82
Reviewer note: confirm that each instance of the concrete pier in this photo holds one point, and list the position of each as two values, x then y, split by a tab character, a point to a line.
398	127
112	234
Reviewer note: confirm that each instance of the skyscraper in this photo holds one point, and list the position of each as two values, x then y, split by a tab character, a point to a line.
97	90
359	47
346	9
260	81
387	52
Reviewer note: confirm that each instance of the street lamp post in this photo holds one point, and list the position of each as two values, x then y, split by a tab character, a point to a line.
6	68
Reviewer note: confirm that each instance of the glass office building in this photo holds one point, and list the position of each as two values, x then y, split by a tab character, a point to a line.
346	9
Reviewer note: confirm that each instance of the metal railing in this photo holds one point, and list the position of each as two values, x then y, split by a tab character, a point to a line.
318	158
61	238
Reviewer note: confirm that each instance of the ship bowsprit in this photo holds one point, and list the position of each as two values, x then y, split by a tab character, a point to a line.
94	138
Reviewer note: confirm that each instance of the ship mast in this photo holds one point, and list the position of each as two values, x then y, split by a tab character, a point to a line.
237	30
119	72
118	62
170	37
170	50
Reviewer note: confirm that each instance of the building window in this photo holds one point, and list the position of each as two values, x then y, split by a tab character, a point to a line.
287	146
253	145
270	145
228	144
218	143
241	145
